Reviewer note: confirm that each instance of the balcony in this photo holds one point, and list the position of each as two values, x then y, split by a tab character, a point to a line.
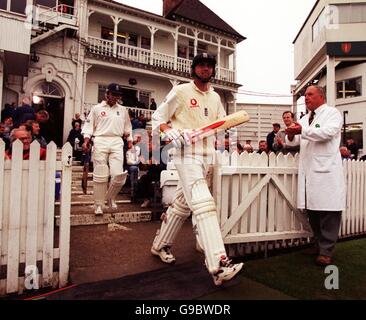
61	14
138	111
144	56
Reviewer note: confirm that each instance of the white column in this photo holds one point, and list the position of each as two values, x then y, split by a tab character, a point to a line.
152	42
331	81
234	65
175	37
1	84
88	14
195	42
86	69
116	21
218	75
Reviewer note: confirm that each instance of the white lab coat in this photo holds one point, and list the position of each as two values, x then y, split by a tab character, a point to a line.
321	184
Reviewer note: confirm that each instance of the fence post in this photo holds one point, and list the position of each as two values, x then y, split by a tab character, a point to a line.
64	235
49	210
12	284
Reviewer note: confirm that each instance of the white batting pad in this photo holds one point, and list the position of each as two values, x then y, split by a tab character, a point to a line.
115	186
177	213
100	179
209	233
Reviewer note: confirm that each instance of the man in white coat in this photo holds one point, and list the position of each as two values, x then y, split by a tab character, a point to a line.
321	187
108	122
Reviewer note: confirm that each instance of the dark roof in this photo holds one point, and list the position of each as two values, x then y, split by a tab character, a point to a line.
196	11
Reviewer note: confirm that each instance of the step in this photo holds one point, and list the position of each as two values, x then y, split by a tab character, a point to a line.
79	175
107	218
89	202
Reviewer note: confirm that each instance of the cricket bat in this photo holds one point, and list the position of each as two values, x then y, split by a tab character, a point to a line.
227	122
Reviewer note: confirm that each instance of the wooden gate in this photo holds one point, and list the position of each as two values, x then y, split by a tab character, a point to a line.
33	253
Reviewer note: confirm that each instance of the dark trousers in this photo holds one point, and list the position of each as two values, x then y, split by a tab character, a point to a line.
325	226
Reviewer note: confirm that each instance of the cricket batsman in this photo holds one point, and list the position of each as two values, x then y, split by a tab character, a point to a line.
187	107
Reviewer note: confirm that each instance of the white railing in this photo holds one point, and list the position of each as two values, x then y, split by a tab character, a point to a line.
101	46
59	14
161	60
27	214
132	53
184	65
256	201
146	112
227	75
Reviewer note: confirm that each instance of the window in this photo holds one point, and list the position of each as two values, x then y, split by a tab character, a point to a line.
354	131
144	98
108	34
3	4
349	88
132	40
145	43
182	52
352	12
46	3
319	25
101	92
17	6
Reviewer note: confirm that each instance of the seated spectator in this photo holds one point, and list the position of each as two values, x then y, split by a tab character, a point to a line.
147	181
76	140
345	153
26	138
239	148
363	158
132	163
142	121
262	146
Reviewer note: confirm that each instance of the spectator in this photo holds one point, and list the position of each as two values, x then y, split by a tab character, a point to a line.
76	119
248	148
271	136
262	147
36	133
285	143
7	112
76	140
363	158
353	148
345	153
134	120
4	136
153	105
26	138
23	113
8	124
142	121
239	148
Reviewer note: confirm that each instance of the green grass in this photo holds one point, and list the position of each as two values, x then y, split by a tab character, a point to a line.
296	274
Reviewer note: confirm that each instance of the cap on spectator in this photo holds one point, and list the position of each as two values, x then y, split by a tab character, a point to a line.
115	89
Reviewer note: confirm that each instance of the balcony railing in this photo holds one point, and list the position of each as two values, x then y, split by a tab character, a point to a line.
60	14
137	111
162	60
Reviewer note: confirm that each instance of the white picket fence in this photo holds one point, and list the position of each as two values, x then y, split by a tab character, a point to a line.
32	254
256	200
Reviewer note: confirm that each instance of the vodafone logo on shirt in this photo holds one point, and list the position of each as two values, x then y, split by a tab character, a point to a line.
103	114
194	103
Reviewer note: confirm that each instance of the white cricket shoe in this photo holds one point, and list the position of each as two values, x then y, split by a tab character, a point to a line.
98	210
226	272
164	254
112	204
